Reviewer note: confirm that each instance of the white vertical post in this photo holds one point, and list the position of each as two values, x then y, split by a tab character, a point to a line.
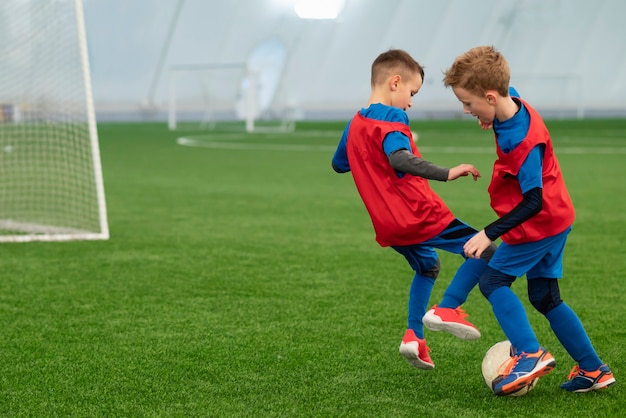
580	106
250	102
91	120
171	122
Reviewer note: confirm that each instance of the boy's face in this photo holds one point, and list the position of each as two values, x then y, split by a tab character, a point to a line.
483	107
403	90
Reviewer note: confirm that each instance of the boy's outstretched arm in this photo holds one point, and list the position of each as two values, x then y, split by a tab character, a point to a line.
406	162
463	170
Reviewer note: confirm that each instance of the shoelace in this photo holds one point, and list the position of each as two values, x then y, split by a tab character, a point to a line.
461	312
422	343
573	373
508	364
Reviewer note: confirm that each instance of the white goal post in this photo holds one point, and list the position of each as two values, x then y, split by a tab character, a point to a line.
221	96
51	186
205	94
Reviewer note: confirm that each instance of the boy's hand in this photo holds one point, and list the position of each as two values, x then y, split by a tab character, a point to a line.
463	170
476	245
484	125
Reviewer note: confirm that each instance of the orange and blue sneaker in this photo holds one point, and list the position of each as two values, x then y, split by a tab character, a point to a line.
452	321
522	370
416	351
583	381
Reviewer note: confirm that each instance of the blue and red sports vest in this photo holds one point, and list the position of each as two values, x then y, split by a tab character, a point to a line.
404	211
557	213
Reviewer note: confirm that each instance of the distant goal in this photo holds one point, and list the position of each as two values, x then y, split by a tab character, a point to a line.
51	186
223	96
553	95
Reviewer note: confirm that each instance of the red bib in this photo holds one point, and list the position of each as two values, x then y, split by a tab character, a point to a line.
557	213
404	211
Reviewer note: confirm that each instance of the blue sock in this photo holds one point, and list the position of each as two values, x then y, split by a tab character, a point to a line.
419	295
572	335
465	279
513	320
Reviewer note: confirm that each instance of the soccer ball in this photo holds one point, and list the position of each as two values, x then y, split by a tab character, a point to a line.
494	363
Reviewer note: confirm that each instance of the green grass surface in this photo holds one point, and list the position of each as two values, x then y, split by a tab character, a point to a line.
242	279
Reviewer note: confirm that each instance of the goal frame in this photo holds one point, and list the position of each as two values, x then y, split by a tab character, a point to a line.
38	232
249	99
176	71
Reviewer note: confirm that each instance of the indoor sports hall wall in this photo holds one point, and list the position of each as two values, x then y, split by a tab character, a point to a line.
567	56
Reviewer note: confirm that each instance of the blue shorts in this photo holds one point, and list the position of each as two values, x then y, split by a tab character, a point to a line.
539	259
423	256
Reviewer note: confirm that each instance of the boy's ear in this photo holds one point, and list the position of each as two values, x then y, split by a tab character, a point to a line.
393	82
491	97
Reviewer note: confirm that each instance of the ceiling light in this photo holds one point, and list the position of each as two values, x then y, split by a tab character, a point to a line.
318	9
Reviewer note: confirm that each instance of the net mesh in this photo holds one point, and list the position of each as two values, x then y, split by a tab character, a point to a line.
50	178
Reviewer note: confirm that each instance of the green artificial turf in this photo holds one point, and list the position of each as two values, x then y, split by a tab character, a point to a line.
242	279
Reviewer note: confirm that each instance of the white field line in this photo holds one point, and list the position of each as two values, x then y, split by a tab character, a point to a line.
230	144
189	142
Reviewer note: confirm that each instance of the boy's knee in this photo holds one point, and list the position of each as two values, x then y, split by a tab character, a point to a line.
433	272
544	294
493	279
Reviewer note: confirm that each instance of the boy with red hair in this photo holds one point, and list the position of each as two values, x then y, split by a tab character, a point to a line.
535	213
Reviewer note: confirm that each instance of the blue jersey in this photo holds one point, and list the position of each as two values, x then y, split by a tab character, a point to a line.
509	134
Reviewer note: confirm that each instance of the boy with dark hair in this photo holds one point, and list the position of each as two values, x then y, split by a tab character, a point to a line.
392	180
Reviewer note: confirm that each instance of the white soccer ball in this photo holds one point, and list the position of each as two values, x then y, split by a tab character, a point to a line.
495	362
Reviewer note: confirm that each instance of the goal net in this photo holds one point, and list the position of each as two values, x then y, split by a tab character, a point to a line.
51	186
222	97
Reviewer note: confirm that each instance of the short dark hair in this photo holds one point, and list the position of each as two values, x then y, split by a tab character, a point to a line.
394	61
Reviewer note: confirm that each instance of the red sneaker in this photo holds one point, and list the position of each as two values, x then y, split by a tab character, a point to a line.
416	351
452	321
